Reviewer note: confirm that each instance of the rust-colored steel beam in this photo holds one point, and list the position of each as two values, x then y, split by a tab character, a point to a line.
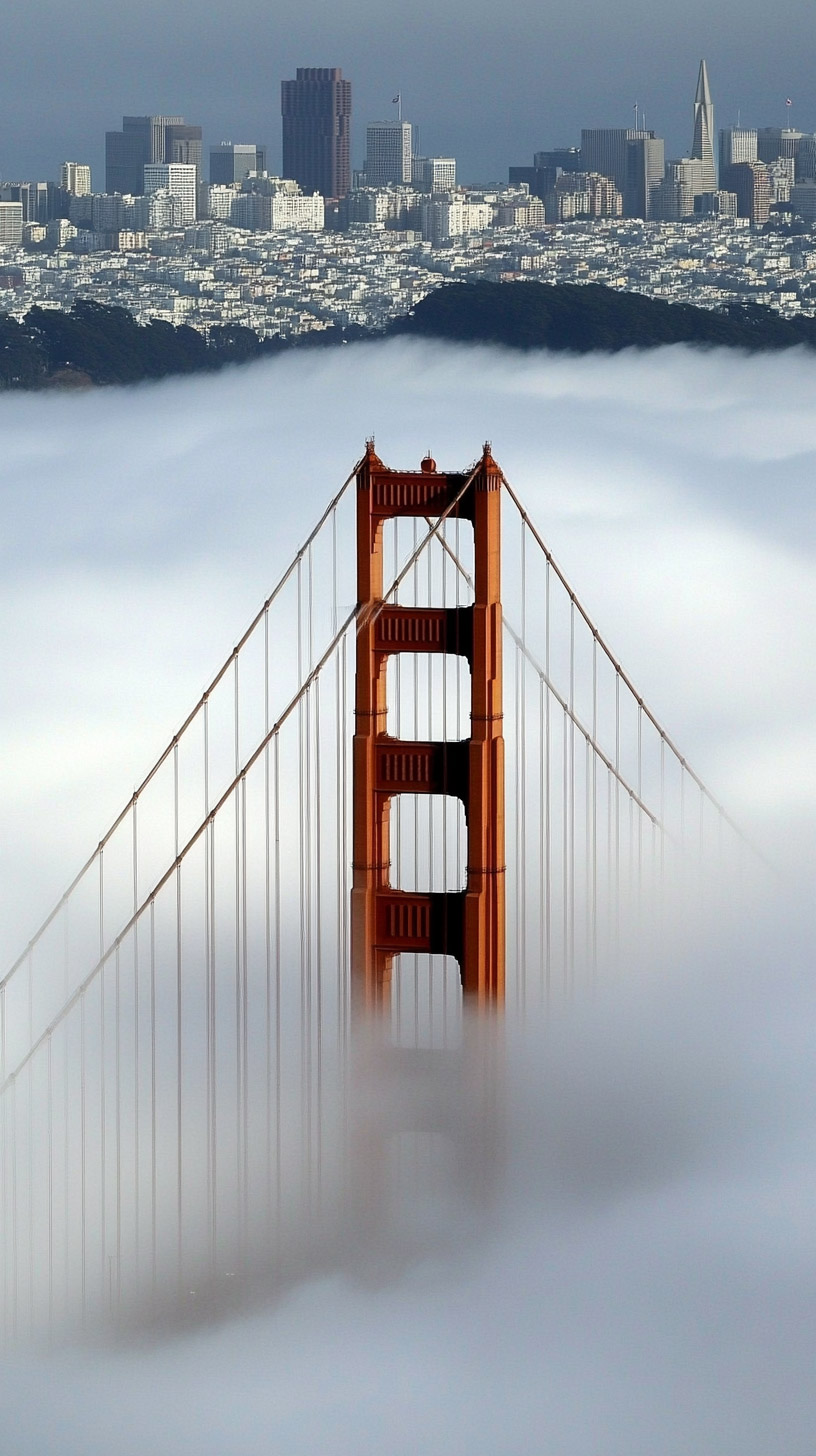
469	925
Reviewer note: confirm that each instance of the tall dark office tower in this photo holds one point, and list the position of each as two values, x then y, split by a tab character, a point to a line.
146	139
702	147
182	143
603	149
316	109
645	166
632	158
233	161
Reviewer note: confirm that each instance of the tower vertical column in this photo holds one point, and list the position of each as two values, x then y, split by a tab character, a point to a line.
469	924
371	968
483	958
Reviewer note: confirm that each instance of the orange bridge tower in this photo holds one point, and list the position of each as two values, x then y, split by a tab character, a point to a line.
385	920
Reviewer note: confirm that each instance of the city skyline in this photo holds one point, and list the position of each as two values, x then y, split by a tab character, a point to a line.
517	113
317	149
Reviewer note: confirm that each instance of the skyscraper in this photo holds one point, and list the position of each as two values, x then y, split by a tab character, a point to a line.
144	140
631	157
645	167
179	179
233	161
737	144
388	152
316	110
182	144
604	150
702	147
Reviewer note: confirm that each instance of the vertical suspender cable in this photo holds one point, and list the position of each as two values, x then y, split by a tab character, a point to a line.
118	1121
239	1078
179	1036
521	867
50	1187
153	1129
268	944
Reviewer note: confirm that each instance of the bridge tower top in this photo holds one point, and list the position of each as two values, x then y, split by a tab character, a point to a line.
386	920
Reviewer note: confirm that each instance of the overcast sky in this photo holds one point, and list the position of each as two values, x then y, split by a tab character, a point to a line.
486	83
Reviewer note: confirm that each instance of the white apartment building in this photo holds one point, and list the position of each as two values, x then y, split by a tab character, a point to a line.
296	214
434	174
220	200
75	177
177	178
11	224
449	217
275	204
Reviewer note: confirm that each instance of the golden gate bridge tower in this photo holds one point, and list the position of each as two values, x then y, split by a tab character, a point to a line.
386	920
182	1039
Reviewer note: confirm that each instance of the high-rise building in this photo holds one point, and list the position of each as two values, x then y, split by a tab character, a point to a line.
682	184
233	161
182	143
388	152
803	199
583	194
434	174
143	141
565	159
702	146
777	141
806	158
180	180
316	110
737	144
546	169
75	177
752	183
11	224
645	166
604	150
716	204
35	198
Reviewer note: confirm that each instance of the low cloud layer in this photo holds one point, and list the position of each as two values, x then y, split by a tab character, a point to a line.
645	1278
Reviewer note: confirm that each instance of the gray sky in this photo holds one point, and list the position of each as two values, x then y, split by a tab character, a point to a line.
487	84
649	1283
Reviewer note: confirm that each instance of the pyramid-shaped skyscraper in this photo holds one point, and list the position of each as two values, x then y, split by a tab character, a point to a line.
702	148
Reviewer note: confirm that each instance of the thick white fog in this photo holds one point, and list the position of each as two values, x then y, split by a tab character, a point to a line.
646	1282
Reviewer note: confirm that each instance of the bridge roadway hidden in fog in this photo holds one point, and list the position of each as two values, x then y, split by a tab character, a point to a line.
331	842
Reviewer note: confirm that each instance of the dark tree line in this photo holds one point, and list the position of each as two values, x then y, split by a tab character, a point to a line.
108	346
103	345
585	317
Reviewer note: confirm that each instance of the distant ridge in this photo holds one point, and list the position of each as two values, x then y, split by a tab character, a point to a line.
96	344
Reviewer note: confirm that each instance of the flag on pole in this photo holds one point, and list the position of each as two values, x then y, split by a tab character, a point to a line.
397	99
788	101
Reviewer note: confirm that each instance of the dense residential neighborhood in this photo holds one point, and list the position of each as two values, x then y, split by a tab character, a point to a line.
284	284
